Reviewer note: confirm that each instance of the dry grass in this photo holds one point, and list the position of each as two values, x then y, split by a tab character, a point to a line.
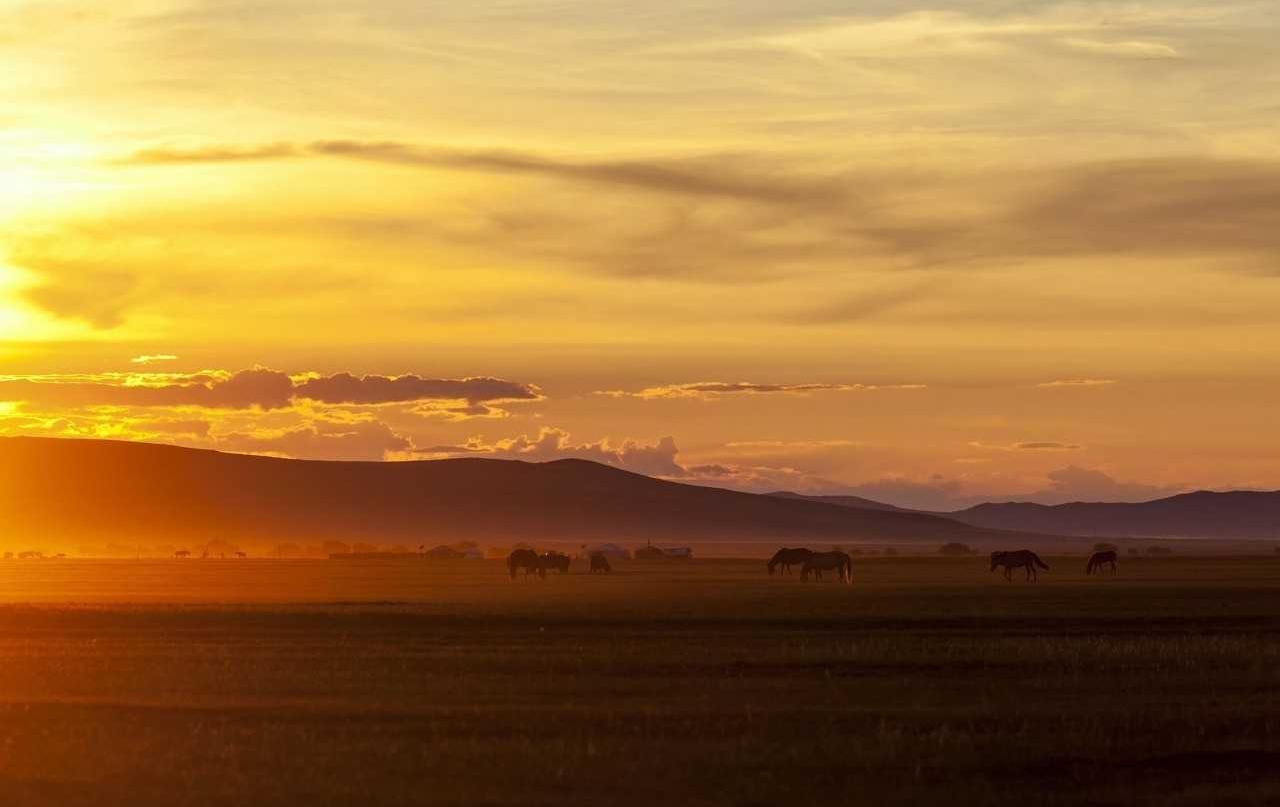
928	681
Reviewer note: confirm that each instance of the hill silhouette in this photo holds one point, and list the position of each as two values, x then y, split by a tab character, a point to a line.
84	490
1239	514
843	501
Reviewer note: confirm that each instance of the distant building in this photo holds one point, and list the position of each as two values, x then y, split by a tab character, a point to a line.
651	552
611	551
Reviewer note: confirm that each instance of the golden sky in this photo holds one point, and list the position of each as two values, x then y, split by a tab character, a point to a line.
926	254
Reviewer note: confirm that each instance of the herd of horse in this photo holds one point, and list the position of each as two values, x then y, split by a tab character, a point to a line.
532	563
811	563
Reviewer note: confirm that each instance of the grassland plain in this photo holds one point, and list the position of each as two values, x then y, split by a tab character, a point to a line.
704	682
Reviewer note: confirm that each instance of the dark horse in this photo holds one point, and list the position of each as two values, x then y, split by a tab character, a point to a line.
786	558
1019	559
818	562
600	563
525	559
1099	559
554	560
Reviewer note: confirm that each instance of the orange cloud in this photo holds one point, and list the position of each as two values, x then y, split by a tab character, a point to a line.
713	390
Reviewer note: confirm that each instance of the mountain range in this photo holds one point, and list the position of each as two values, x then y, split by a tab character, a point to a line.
66	491
1237	514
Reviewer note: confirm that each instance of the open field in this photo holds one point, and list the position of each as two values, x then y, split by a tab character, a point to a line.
705	682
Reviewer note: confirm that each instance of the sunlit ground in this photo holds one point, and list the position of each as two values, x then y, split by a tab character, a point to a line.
929	681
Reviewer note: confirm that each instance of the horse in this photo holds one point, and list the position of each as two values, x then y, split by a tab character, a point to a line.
600	563
786	558
1022	558
526	559
817	562
554	560
1098	559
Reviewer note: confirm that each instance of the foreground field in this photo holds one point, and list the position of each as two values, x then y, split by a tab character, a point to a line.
928	681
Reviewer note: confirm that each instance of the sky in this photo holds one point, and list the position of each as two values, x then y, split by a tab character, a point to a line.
927	254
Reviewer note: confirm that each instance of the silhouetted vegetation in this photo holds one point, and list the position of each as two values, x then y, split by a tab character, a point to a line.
955	549
1159	550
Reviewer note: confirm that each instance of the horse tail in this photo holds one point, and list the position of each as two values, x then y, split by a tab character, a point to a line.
1036	560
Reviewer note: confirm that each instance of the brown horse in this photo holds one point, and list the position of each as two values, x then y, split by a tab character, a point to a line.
1099	559
786	558
554	560
525	559
818	562
600	563
1018	559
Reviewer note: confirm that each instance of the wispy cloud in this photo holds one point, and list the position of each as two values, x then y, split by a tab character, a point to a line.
260	387
1033	445
153	359
1077	382
712	390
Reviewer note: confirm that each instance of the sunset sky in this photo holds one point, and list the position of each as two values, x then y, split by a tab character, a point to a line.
926	254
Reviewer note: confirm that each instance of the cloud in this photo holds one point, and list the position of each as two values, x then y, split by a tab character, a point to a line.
345	388
658	459
368	441
1069	484
210	154
1132	48
98	296
159	357
703	176
713	390
1076	382
1035	445
260	387
1075	483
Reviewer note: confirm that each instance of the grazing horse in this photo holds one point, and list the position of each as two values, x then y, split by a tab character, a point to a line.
600	563
1019	559
786	558
525	559
1099	559
817	562
554	560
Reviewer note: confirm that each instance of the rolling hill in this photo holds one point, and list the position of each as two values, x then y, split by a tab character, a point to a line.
1236	514
843	501
64	491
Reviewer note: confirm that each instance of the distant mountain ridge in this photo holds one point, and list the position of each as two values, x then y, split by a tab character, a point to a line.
1239	514
85	490
843	501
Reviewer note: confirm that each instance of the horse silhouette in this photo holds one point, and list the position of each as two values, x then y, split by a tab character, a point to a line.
554	560
1099	559
600	563
818	562
786	558
1018	559
525	559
